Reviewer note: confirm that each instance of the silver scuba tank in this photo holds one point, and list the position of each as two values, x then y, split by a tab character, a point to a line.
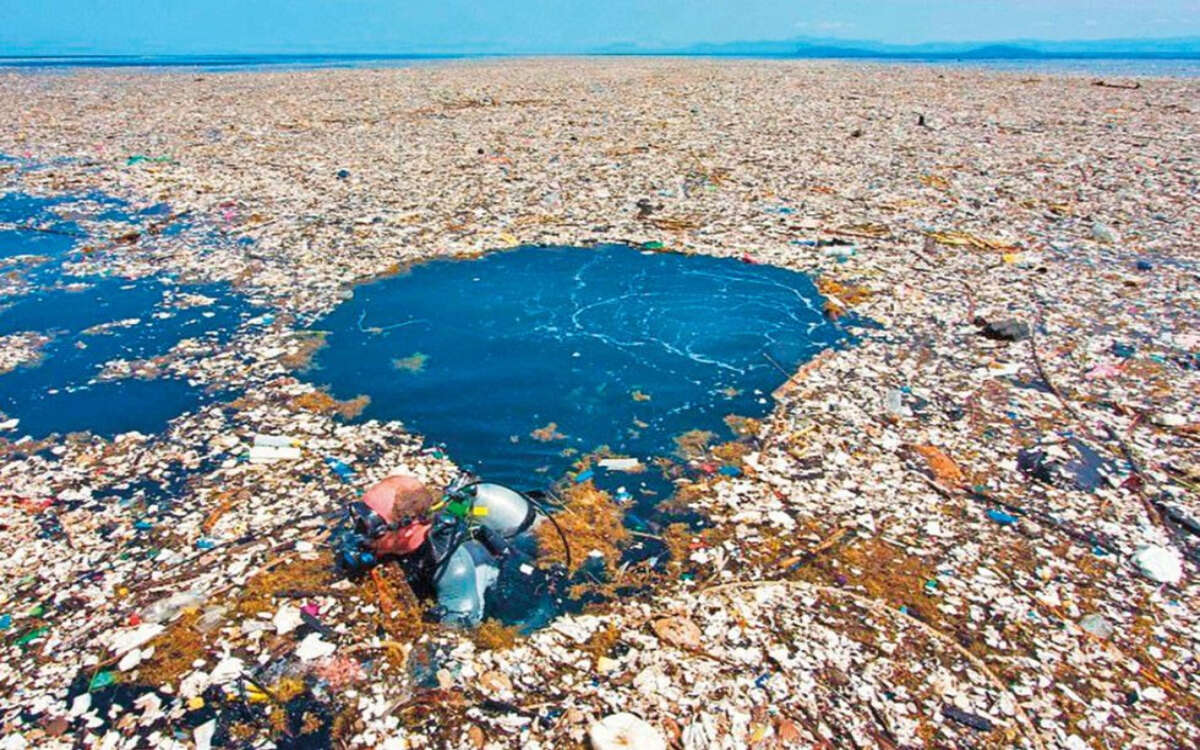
468	574
508	512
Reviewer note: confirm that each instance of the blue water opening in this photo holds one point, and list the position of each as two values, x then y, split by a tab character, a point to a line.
79	325
521	361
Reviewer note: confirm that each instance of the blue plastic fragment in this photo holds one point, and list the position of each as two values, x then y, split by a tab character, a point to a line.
584	475
5	622
1144	265
143	525
730	471
1000	517
339	467
205	544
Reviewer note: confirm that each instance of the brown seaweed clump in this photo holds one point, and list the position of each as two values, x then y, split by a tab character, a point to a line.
742	427
174	651
842	296
693	444
398	611
301	359
297	575
494	635
591	520
414	363
548	433
321	402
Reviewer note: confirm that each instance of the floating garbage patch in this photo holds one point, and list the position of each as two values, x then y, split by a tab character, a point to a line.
592	369
85	350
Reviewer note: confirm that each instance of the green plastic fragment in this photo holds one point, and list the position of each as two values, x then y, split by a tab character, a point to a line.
458	508
138	158
36	610
655	245
32	636
102	680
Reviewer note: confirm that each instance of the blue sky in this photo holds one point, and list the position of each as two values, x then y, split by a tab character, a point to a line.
343	26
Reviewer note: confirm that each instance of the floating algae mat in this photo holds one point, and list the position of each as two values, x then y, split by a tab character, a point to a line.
523	360
77	329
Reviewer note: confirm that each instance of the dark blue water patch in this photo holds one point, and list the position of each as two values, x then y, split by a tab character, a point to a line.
104	409
581	348
15	242
47	227
87	322
24	208
92	322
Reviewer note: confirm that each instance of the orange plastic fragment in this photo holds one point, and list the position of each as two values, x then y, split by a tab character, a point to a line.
943	467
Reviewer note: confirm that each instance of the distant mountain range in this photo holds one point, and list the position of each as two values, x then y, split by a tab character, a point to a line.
1186	48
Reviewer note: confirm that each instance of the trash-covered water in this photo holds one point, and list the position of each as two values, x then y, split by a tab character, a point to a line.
521	361
94	339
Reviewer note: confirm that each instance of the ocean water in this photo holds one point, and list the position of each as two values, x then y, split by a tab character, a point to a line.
521	361
1184	68
223	63
88	321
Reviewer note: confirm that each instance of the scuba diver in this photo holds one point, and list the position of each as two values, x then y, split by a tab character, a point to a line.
455	548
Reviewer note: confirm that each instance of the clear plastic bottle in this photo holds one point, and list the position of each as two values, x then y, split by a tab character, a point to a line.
168	608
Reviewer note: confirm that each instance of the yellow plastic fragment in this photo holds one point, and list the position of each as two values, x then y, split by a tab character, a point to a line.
966	239
935	181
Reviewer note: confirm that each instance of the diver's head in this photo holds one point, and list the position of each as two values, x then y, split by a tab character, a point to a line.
401	504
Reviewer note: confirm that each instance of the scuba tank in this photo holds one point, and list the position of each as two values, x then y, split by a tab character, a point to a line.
468	574
505	511
476	523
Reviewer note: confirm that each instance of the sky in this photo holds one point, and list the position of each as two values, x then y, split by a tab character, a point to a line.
399	26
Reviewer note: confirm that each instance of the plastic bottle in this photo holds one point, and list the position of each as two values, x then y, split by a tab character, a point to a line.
275	441
168	608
